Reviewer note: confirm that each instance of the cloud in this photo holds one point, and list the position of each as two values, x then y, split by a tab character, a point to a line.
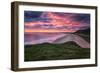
55	21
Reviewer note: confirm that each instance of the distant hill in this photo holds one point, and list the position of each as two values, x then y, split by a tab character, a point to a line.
86	31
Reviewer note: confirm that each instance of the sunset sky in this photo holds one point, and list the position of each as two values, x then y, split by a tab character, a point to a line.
35	21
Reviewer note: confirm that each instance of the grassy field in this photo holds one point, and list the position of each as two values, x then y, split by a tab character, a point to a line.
48	51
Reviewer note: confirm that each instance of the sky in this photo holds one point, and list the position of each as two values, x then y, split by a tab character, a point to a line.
38	21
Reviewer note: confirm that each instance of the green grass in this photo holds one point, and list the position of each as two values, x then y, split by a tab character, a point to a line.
48	51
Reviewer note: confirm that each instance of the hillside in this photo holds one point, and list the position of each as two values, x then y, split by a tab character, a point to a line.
48	51
86	31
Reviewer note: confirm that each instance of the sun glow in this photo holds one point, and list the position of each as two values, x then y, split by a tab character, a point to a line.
50	31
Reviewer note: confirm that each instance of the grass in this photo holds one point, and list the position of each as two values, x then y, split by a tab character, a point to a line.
48	51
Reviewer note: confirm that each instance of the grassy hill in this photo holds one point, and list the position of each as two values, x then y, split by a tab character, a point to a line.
48	51
84	33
